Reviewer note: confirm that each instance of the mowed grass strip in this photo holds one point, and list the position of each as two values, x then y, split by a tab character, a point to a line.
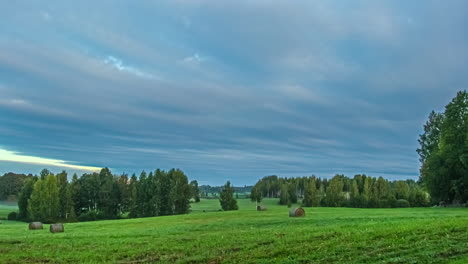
325	235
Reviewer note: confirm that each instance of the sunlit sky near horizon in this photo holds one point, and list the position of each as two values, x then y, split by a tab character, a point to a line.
226	90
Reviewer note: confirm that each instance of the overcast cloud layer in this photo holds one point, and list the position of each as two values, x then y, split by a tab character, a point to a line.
226	89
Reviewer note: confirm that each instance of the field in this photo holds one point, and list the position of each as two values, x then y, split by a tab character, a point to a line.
6	208
325	235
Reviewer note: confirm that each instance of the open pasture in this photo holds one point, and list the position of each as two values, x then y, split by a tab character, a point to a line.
326	235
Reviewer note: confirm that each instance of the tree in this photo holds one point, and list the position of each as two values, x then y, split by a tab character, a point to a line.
429	140
44	173
164	185
24	197
402	190
284	194
44	202
65	202
107	203
292	192
354	194
444	167
181	191
195	192
75	192
310	193
256	194
226	198
335	191
133	206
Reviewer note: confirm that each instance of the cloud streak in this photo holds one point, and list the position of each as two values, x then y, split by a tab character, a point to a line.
10	156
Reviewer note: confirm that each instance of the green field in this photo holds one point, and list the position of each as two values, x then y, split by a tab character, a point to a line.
325	235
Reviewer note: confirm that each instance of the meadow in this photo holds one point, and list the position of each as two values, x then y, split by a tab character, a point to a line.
324	235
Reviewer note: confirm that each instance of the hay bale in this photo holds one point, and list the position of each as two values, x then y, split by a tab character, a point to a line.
296	212
35	226
56	228
261	208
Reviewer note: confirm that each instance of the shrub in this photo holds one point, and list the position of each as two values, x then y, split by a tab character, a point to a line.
402	203
12	216
90	216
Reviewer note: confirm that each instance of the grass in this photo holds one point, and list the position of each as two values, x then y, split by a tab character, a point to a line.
325	235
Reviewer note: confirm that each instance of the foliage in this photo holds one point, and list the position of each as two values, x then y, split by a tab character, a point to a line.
104	196
11	184
360	191
195	191
444	152
24	197
13	216
226	198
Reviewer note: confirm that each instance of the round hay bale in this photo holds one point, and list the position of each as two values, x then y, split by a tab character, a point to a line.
261	208
296	212
35	226
56	228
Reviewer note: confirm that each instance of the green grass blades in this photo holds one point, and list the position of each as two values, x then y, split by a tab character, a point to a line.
324	235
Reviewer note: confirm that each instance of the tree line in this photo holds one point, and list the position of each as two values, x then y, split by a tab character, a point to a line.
208	191
50	198
341	191
443	152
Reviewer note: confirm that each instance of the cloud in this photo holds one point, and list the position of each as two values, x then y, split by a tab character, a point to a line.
10	156
118	64
233	90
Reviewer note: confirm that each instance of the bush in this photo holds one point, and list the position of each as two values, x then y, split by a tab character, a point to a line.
90	216
12	216
402	203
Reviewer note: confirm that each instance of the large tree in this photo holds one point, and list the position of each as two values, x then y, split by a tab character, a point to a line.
181	191
444	157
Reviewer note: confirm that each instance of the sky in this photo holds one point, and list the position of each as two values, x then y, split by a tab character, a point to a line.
226	90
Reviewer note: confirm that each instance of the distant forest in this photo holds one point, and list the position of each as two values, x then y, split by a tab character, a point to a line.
93	196
341	191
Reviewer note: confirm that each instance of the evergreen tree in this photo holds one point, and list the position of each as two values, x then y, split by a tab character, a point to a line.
24	197
63	201
142	198
166	200
226	198
107	202
133	206
181	191
75	193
